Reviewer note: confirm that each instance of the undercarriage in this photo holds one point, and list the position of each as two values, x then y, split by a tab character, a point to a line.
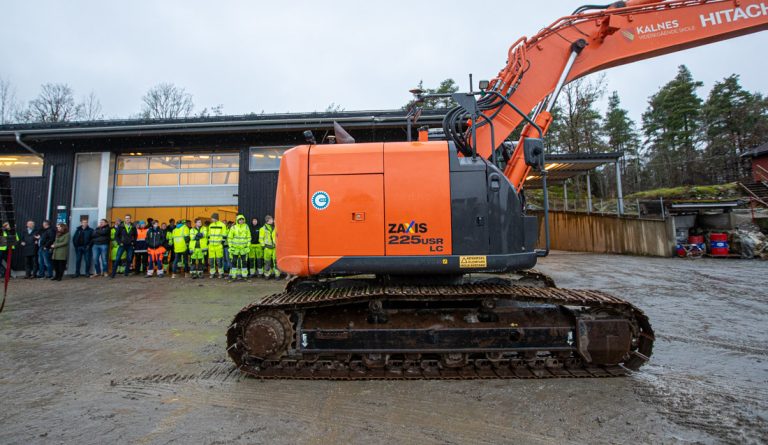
368	328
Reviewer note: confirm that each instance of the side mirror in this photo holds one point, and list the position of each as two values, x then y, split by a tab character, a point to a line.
533	152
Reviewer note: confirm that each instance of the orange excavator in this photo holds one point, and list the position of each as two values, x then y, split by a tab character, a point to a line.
413	259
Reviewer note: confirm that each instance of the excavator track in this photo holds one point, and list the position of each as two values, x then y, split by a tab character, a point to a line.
439	332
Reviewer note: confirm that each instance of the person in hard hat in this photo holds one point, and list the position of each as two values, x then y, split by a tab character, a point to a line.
217	231
180	242
256	254
268	241
198	248
239	241
156	241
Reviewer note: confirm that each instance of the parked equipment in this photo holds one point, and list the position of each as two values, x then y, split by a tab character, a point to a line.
393	244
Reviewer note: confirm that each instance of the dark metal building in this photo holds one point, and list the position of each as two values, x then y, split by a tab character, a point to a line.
65	171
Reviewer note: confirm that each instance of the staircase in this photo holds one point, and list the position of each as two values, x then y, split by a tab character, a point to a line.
758	191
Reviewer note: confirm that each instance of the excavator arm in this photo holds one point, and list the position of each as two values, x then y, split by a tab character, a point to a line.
593	39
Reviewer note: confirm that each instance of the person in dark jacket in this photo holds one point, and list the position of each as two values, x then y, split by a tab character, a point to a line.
83	240
125	236
156	242
29	249
44	250
101	240
60	250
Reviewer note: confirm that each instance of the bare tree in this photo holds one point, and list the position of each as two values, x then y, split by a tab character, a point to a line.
55	103
217	110
91	108
166	101
8	105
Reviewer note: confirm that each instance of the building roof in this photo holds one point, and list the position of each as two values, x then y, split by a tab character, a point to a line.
759	151
215	124
564	166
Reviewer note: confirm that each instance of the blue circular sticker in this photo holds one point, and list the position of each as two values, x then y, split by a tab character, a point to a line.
320	200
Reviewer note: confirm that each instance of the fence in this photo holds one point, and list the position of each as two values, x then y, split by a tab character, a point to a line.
583	232
648	209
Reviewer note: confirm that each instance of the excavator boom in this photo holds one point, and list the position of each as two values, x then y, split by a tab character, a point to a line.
583	43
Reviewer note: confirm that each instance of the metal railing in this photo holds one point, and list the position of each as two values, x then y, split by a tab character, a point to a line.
646	209
763	173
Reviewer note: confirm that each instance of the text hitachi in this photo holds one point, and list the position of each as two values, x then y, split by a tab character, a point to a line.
732	15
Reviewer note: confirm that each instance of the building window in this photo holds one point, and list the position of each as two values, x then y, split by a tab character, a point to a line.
195	178
177	170
132	163
164	162
226	161
265	158
163	179
228	178
20	166
196	161
132	180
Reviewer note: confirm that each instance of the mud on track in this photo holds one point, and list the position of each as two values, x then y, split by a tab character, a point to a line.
143	361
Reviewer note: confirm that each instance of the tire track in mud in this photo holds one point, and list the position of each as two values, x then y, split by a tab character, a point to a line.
732	414
716	344
222	385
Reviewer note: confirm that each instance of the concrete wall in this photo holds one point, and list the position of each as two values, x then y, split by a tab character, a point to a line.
608	234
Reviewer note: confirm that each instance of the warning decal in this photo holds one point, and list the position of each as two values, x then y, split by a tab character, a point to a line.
473	262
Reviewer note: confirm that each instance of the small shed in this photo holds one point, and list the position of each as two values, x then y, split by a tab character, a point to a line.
758	158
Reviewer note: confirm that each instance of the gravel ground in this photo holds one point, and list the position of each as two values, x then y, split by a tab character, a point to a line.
133	360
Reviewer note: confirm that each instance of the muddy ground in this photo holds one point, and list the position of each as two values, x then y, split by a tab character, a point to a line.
143	361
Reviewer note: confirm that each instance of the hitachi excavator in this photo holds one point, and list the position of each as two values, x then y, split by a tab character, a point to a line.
413	259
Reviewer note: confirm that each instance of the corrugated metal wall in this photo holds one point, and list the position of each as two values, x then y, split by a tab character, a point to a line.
256	195
30	195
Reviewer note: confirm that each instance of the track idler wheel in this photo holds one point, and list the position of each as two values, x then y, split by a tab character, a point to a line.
267	335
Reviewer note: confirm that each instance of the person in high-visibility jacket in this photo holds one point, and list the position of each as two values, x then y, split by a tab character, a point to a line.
268	240
114	247
239	241
217	231
180	242
256	255
7	240
198	248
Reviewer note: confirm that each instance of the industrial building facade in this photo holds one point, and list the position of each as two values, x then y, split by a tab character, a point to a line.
167	169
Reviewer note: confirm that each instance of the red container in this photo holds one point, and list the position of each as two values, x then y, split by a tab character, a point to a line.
718	244
696	239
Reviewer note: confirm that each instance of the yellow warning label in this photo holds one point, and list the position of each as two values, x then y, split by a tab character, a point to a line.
473	262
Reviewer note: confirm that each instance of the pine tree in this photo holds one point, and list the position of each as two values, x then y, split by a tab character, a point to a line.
671	125
622	136
735	121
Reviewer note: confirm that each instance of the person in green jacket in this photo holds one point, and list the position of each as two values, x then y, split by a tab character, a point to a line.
239	241
60	251
6	241
268	240
217	231
198	248
180	242
256	254
113	248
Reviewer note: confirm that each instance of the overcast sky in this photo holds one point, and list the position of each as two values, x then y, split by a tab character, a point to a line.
295	56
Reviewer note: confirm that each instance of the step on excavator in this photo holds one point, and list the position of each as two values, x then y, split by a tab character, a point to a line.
413	260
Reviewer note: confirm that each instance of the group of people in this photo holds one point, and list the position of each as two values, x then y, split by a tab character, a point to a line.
235	250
